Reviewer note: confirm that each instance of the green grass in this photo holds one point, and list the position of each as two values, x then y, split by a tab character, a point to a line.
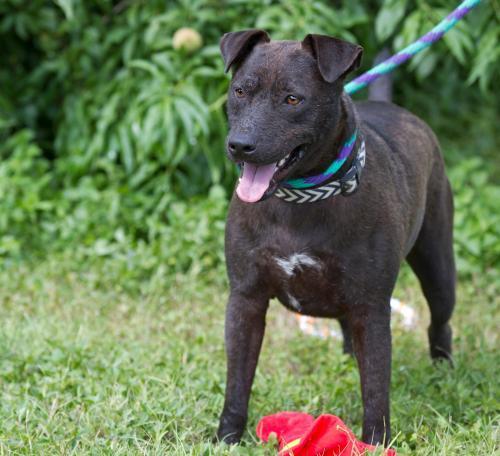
92	361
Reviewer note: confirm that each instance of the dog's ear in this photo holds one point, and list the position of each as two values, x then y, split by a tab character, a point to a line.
335	57
235	46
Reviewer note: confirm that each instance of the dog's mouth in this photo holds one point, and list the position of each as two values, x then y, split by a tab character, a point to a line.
258	182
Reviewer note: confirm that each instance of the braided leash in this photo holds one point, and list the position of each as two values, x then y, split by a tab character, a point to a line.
408	52
309	189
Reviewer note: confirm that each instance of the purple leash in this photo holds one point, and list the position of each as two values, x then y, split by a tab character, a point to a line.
408	52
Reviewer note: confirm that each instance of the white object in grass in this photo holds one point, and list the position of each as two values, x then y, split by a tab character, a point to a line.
323	329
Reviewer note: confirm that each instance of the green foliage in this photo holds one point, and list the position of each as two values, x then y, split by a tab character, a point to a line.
295	19
111	138
24	189
472	44
388	18
477	219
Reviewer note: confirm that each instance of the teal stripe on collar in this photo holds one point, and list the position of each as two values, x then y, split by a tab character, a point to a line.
313	181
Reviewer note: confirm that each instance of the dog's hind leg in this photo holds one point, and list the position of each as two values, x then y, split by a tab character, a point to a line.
432	260
346	336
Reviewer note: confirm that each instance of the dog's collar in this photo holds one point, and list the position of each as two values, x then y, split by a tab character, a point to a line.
314	181
346	185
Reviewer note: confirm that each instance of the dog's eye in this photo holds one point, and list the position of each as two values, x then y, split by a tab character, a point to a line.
292	100
239	92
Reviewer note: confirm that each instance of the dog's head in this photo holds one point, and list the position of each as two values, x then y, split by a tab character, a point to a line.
283	100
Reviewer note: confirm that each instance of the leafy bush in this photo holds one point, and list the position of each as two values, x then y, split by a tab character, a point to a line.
24	190
477	219
112	135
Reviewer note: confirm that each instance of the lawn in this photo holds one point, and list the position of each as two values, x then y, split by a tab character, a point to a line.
93	361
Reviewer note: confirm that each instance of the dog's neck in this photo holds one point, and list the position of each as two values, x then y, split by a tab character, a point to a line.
345	124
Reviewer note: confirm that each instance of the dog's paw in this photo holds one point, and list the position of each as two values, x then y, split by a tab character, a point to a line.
231	428
227	439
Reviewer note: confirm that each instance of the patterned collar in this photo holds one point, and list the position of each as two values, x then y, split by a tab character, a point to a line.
306	190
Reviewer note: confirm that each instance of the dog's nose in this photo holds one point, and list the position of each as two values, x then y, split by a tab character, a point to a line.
240	147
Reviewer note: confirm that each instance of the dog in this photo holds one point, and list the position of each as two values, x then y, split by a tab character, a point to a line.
332	249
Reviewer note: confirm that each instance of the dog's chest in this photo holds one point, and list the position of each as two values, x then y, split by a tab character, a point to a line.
305	281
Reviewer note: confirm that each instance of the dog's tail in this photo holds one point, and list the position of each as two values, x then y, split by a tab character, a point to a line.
381	89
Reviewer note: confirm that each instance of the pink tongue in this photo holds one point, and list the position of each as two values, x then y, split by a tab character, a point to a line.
254	182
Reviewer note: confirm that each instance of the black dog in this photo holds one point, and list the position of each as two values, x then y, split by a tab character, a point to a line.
333	255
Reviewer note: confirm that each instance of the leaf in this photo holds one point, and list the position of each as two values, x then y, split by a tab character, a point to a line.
427	64
146	66
458	42
67	8
388	18
126	150
197	108
170	129
487	56
409	31
164	62
184	110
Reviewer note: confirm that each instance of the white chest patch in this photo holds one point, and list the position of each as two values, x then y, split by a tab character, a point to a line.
296	262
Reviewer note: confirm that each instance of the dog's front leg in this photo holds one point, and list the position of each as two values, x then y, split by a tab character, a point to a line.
371	334
245	323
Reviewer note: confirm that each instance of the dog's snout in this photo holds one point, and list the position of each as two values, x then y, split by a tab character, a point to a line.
241	147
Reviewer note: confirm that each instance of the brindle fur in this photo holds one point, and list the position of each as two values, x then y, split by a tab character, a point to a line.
403	209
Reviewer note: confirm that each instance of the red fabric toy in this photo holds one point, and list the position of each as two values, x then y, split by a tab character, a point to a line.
299	434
